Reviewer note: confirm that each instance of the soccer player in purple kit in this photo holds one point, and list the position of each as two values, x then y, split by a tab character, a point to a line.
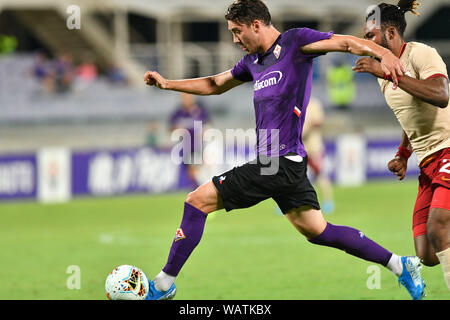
186	116
280	66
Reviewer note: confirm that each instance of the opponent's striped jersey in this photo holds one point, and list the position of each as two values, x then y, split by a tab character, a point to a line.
282	79
427	126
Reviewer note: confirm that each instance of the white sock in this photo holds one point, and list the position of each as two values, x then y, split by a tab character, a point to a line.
395	265
163	281
444	258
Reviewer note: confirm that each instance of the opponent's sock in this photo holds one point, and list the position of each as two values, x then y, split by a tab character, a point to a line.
444	258
186	239
395	265
353	242
163	281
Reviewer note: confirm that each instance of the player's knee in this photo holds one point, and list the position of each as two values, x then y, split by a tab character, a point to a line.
193	198
197	200
437	229
313	231
308	230
438	223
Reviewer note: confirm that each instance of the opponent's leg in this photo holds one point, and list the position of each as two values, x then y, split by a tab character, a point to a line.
199	203
438	229
425	251
312	225
422	245
432	235
438	233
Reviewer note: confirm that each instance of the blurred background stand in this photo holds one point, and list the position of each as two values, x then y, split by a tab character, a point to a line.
80	86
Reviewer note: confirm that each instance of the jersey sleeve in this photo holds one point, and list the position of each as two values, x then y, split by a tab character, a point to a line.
305	36
428	63
241	72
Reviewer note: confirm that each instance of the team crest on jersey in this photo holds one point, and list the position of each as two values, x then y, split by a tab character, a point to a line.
179	235
277	51
222	179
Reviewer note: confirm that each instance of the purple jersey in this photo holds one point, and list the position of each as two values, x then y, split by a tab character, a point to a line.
282	78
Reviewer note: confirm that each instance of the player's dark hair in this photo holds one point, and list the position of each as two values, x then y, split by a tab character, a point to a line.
247	11
394	15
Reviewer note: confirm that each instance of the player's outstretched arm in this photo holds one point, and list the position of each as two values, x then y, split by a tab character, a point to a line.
434	91
216	84
399	164
390	64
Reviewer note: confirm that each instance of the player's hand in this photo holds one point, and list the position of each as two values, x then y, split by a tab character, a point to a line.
153	78
398	166
369	65
392	66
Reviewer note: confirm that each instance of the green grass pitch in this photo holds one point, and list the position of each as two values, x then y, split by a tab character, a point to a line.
244	254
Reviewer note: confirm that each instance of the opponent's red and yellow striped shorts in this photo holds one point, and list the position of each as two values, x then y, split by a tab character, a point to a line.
434	189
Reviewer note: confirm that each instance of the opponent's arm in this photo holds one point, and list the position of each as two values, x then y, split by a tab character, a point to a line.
216	84
433	91
390	64
399	164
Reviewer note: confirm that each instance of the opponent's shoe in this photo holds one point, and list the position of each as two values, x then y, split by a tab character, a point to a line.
411	278
154	294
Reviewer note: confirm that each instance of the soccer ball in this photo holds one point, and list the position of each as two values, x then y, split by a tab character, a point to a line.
126	283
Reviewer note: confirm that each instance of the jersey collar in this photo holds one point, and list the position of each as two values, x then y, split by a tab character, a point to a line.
262	55
402	50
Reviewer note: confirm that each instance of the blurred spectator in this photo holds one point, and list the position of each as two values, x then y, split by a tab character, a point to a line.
42	71
315	148
185	117
55	75
152	139
86	73
40	67
341	87
63	73
115	75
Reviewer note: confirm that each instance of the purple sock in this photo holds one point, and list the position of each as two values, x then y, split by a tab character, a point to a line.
353	242
186	239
